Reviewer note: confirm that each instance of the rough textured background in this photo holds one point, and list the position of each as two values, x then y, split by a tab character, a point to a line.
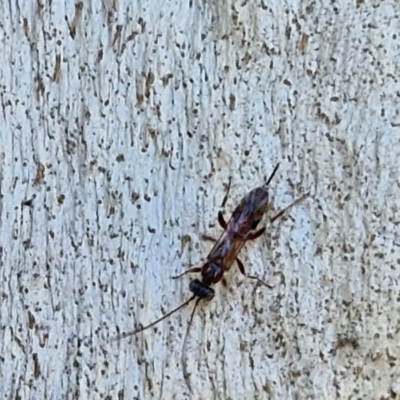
121	122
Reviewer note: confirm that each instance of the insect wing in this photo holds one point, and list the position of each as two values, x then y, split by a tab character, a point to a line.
249	212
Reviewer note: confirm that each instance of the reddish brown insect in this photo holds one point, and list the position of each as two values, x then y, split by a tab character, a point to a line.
240	229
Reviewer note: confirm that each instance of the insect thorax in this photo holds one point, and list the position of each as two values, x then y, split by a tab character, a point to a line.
212	272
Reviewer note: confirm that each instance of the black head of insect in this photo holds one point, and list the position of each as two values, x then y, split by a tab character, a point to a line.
201	290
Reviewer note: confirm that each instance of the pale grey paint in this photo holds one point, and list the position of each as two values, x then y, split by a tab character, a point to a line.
316	88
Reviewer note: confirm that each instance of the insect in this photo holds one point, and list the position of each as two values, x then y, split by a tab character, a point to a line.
237	231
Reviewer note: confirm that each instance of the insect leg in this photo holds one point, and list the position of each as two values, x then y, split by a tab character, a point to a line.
221	220
188	271
243	271
255	234
281	212
227	192
208	238
272	175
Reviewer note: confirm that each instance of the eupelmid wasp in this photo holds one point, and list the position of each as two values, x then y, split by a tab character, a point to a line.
241	228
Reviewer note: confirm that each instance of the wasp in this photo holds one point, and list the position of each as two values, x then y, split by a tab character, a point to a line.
241	228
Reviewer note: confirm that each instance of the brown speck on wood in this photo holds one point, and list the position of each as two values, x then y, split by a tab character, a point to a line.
117	35
359	370
39	175
267	388
247	58
31	320
133	265
40	86
139	98
27	203
99	55
288	32
232	102
149	83
134	197
57	69
165	79
36	372
61	198
152	133
350	342
337	120
303	42
142	24
75	21
310	73
26	27
132	36
184	240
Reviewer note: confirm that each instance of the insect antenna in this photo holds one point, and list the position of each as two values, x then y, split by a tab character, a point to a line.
143	328
186	375
272	175
281	212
